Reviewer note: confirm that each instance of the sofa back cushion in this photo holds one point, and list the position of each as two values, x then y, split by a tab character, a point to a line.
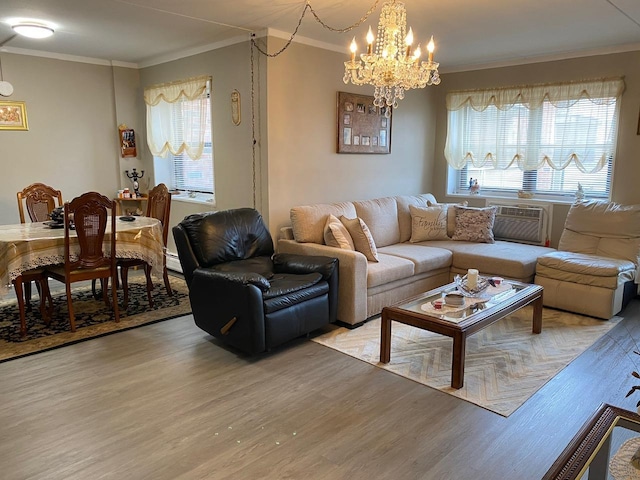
600	228
226	236
308	221
381	216
404	215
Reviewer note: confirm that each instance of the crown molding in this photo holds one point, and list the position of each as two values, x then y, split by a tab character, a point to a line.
272	32
632	47
195	51
68	58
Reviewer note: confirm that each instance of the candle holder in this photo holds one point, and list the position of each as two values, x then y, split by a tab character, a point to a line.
134	176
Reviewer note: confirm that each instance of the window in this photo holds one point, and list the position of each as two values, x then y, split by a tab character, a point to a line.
187	174
179	134
544	139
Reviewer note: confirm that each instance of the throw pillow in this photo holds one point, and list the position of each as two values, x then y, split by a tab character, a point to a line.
428	223
451	213
474	224
361	236
336	234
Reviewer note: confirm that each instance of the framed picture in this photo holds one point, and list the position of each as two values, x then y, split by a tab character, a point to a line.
362	127
13	116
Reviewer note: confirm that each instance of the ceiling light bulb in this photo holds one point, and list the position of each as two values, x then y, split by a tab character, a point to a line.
370	36
33	30
409	38
431	46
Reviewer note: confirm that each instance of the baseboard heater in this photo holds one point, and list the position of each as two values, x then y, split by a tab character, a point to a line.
173	262
521	223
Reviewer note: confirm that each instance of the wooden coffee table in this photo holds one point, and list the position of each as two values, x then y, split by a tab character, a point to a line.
462	323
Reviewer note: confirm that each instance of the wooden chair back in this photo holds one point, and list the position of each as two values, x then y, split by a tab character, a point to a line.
40	200
89	213
159	207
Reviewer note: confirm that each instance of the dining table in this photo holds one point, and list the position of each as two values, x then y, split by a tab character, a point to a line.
25	246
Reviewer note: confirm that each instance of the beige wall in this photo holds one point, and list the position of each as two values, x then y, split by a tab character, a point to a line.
627	164
72	141
230	69
303	166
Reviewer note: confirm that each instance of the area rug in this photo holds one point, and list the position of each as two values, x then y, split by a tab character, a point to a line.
93	317
505	363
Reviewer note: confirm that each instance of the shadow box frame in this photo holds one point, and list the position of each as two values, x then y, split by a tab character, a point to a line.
362	128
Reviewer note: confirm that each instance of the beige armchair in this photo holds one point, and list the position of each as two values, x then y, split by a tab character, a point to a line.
595	270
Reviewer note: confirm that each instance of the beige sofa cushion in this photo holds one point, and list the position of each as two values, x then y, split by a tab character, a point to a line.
404	216
361	236
505	259
587	269
425	259
389	269
606	229
337	235
308	221
428	223
381	216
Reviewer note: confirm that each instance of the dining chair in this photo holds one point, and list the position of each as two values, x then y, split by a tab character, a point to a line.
159	207
90	212
40	200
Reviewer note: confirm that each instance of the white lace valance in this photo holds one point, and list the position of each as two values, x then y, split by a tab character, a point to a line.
561	95
189	89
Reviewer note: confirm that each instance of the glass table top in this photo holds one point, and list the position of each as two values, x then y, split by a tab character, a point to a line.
491	297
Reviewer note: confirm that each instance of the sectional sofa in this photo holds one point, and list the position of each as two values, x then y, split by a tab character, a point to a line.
403	268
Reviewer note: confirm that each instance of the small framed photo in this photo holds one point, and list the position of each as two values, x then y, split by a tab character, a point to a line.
13	116
346	136
383	138
356	139
383	122
360	108
373	110
347	119
366	141
348	106
374	141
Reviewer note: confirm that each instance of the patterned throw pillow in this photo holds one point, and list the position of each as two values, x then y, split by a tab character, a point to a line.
451	213
361	237
336	234
474	224
428	223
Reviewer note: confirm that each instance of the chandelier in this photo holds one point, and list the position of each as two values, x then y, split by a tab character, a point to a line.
393	68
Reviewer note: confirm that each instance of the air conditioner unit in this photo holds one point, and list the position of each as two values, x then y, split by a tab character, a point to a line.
521	223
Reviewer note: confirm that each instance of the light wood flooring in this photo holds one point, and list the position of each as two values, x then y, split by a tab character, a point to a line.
166	401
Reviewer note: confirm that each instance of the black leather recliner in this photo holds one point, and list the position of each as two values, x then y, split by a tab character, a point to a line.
241	292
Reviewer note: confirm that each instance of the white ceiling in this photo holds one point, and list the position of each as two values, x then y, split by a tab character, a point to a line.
468	33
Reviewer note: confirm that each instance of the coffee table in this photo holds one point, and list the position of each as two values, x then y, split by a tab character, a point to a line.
461	323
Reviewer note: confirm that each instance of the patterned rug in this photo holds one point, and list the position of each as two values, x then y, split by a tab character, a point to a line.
93	317
505	363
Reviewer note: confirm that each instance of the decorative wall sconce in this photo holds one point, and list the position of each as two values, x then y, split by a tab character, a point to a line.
235	108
